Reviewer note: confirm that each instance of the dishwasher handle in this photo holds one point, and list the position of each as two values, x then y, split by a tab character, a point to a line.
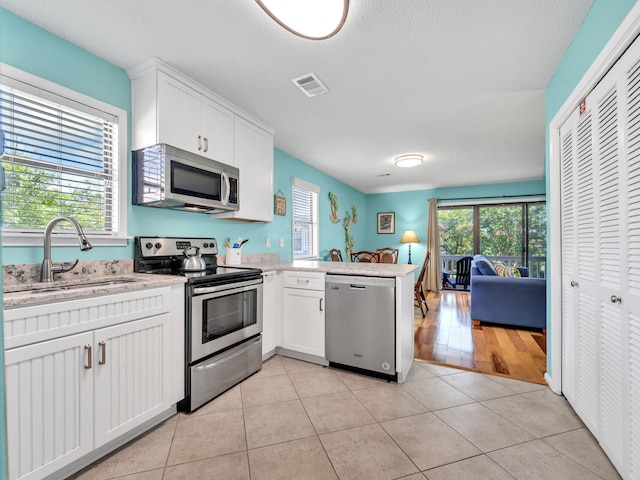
353	286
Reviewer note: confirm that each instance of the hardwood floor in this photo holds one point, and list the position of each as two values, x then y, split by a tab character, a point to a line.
446	336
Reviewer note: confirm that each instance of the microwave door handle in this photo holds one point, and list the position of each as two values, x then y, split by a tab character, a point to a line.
227	189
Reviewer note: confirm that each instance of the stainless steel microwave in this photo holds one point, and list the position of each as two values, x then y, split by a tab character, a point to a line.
168	177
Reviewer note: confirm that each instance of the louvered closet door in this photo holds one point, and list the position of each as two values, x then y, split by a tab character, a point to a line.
569	258
601	311
630	259
579	280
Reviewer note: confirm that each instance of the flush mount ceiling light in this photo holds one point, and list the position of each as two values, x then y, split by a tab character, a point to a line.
409	160
312	19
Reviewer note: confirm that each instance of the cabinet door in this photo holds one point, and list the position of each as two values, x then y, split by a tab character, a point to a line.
304	321
179	114
49	401
132	365
254	157
217	131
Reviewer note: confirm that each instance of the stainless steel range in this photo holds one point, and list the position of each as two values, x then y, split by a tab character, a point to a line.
223	317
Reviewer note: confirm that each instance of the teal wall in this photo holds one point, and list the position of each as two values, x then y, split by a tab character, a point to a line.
412	208
600	24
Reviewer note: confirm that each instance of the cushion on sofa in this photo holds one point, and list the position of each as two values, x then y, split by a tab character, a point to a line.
484	266
505	270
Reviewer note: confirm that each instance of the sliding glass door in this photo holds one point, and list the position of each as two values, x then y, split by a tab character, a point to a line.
514	233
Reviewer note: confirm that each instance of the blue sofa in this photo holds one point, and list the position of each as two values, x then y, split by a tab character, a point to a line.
518	301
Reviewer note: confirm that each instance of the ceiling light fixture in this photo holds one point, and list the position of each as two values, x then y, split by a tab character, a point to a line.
409	160
312	19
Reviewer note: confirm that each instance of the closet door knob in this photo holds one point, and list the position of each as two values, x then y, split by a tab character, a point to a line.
615	299
574	284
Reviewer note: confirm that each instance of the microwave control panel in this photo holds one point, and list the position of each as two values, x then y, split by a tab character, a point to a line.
233	191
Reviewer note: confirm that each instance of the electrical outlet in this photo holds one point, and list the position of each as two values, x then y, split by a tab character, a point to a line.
281	242
268	242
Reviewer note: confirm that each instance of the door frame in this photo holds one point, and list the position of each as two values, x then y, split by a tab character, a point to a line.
624	36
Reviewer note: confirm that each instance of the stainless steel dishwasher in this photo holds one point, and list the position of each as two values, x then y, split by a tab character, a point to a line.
360	324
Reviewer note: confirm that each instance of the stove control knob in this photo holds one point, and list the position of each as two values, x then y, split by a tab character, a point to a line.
149	245
158	245
205	245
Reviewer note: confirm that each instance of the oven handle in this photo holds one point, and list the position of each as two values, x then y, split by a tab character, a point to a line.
227	286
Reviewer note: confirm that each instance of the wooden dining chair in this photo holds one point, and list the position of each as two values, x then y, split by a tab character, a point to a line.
336	255
387	255
365	256
418	293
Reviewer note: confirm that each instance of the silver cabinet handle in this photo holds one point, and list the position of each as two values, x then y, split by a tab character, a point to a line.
321	304
103	352
574	284
206	144
615	299
199	142
89	363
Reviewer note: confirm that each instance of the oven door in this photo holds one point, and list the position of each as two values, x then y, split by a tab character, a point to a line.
224	315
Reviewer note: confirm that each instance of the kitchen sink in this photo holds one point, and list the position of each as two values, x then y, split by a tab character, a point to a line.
34	288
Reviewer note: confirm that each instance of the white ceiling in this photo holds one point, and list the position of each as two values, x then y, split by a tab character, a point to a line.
460	81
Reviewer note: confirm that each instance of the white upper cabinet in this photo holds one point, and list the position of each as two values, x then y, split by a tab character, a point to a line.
184	118
170	108
254	157
217	131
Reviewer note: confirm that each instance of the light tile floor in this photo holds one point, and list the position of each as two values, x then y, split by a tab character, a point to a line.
296	420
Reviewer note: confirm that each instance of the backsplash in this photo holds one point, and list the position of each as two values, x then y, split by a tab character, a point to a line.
253	258
30	272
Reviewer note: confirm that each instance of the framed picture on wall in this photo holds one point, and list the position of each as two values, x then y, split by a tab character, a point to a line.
386	222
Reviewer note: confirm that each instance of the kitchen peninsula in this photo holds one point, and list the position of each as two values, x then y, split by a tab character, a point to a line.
283	332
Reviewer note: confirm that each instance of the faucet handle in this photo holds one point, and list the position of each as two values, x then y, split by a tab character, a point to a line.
64	267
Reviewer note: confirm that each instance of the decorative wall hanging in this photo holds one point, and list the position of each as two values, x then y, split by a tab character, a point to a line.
333	198
386	222
279	203
348	239
354	214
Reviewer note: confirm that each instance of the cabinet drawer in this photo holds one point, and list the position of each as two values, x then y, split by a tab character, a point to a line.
304	280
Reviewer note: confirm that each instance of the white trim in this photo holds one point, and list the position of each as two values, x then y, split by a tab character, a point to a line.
304	184
15	239
615	47
44	88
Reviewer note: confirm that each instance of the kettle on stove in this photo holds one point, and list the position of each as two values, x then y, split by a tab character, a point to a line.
193	262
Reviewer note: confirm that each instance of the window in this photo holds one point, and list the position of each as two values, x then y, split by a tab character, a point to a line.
514	233
305	219
62	156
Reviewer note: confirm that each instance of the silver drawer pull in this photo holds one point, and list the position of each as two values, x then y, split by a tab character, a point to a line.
103	352
89	350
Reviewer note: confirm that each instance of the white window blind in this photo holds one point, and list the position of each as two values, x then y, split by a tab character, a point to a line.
305	219
59	160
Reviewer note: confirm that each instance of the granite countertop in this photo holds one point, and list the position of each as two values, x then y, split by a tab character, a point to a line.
338	268
21	287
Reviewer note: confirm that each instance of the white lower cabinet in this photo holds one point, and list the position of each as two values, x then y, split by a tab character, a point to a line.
304	312
49	402
69	396
131	361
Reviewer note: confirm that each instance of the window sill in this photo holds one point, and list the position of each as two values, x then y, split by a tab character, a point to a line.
14	239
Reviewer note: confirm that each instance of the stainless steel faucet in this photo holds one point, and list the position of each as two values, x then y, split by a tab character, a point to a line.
48	269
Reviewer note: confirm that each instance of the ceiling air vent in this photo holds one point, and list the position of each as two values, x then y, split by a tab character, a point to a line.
310	84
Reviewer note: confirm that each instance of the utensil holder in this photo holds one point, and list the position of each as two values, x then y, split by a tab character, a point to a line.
234	256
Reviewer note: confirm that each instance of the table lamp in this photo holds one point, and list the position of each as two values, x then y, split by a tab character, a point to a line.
409	237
